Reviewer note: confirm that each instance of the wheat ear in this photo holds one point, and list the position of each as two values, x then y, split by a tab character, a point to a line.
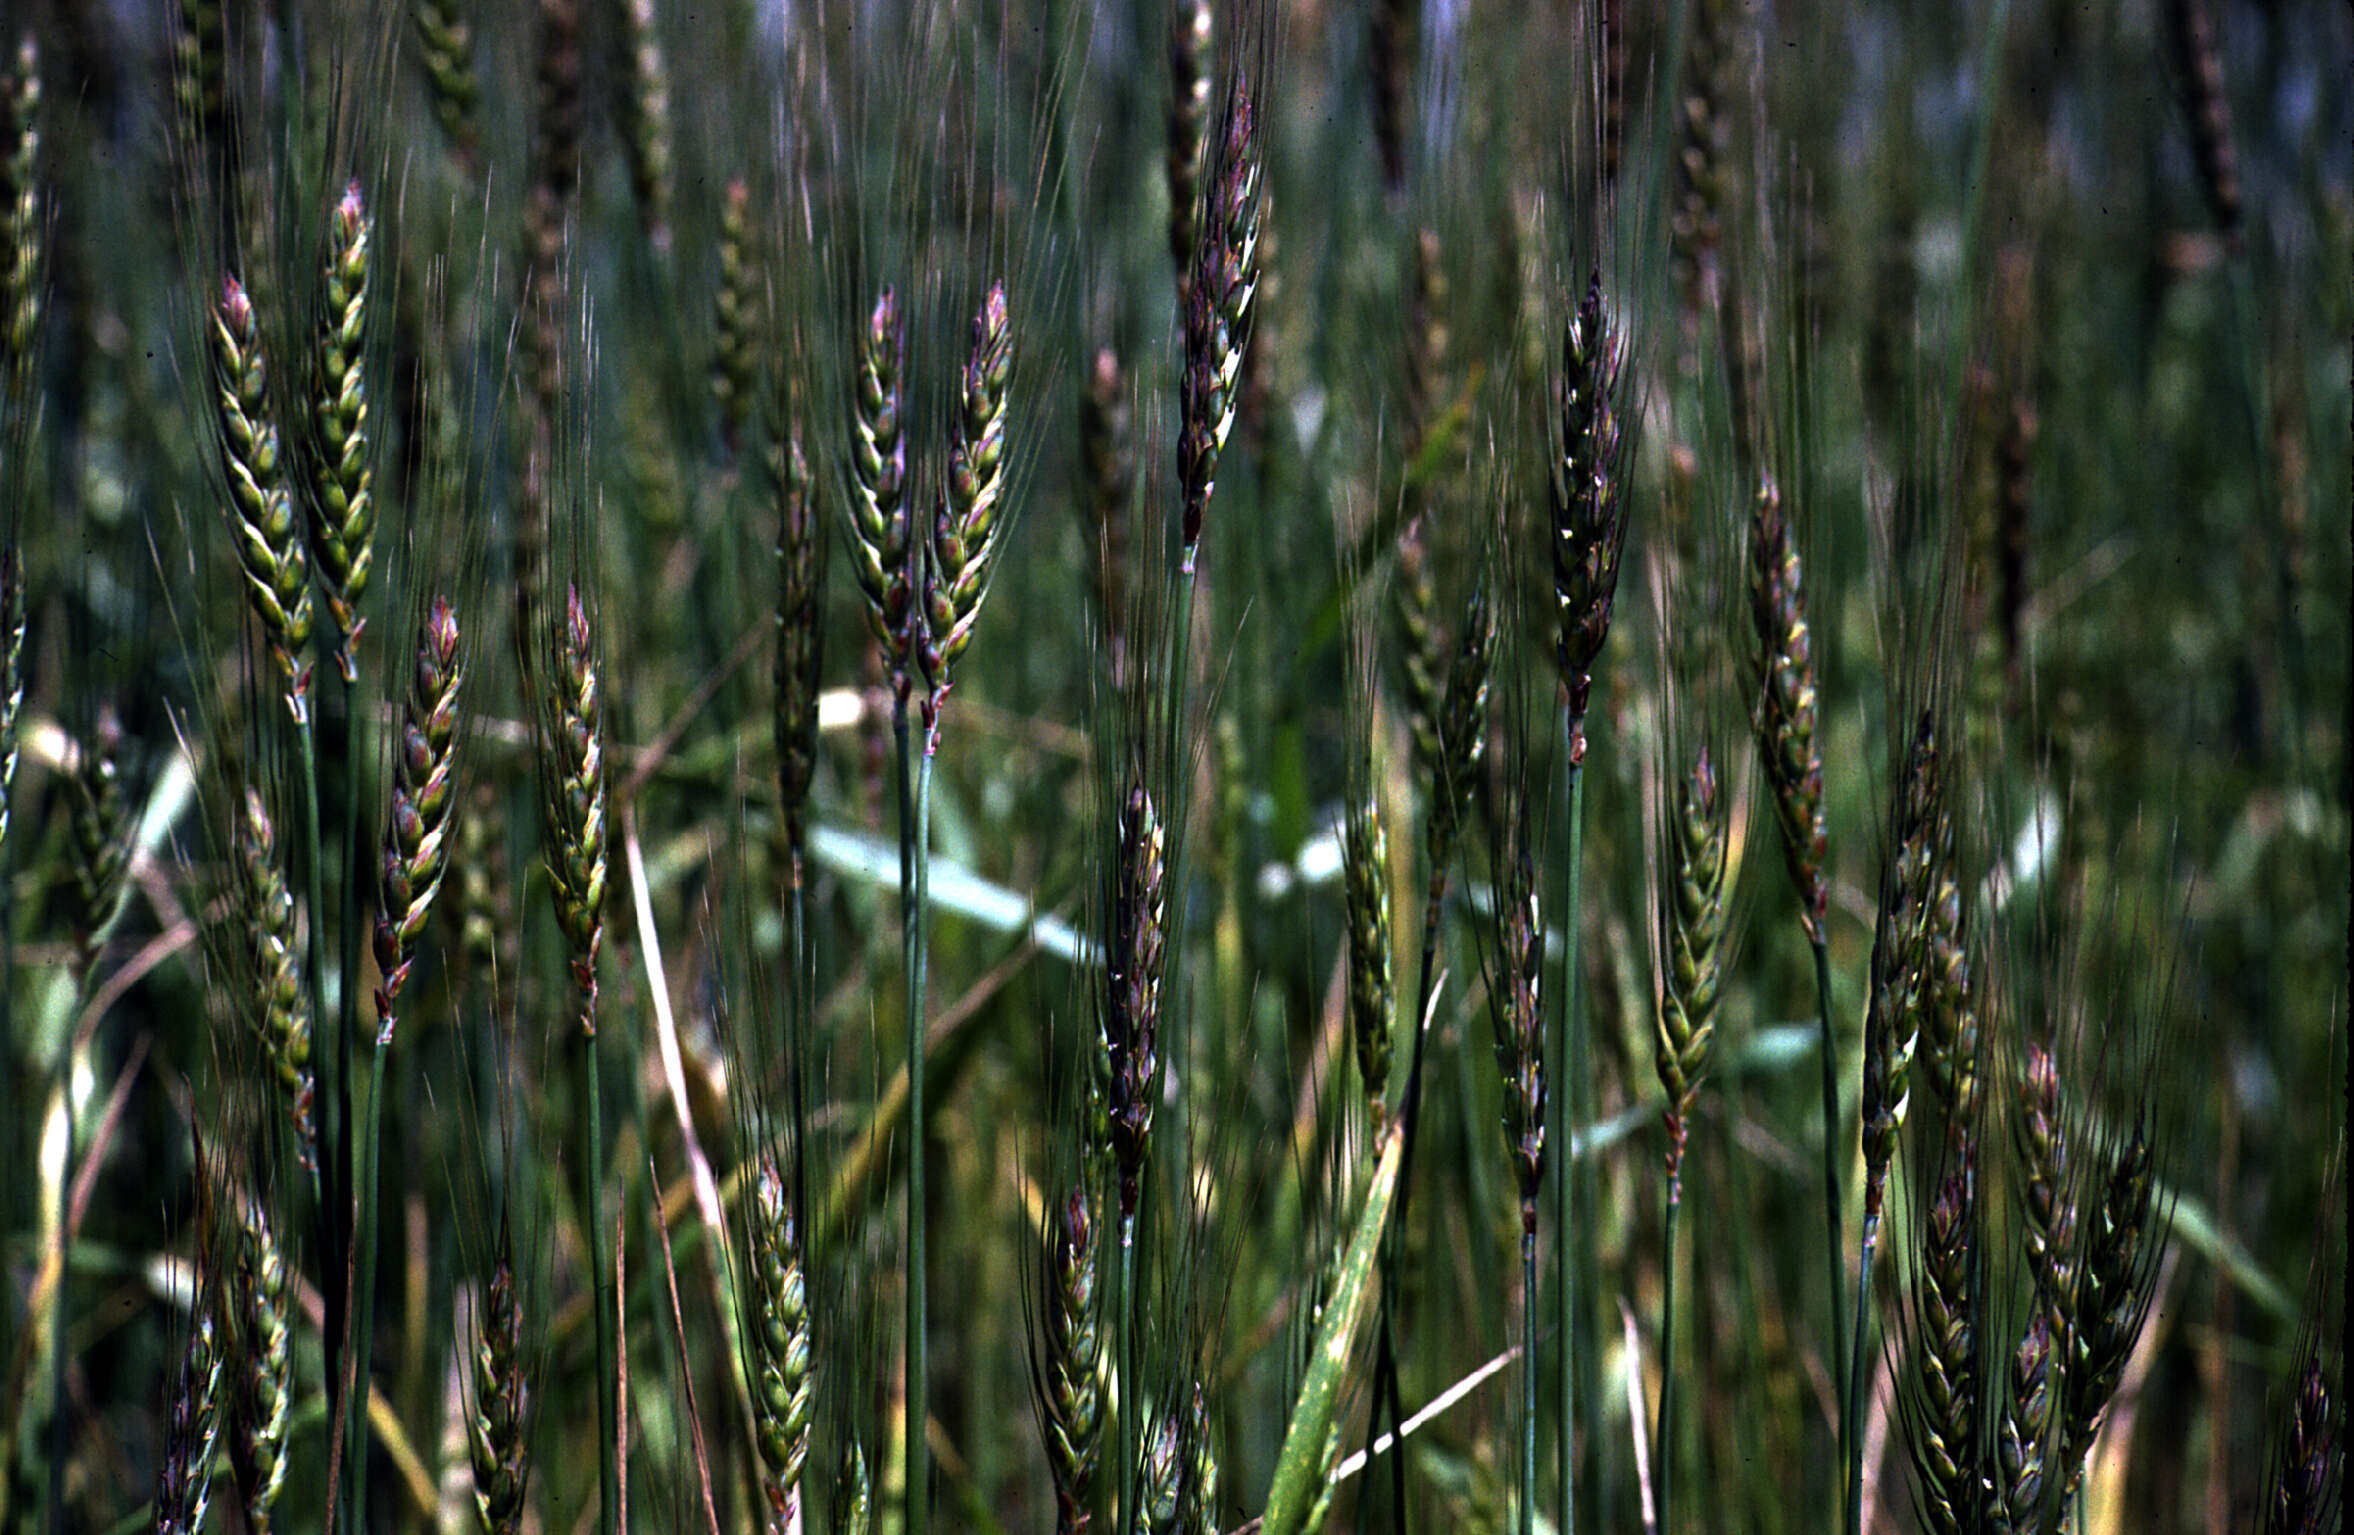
1373	999
1070	1403
12	674
967	527
445	46
735	302
2015	1498
1784	720
2309	1476
1920	841
344	526
263	1392
498	1435
20	212
1109	454
1218	314
645	140
1942	1396
183	1491
882	542
281	1006
261	515
783	1362
1192	31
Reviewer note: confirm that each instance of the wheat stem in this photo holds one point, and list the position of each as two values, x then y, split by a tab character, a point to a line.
1835	1219
1851	1418
915	794
1663	1457
1568	1179
1127	1401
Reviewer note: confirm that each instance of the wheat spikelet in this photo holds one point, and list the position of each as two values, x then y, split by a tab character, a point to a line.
1372	991
882	544
424	802
2310	1473
1422	651
1784	719
1197	1504
645	138
100	827
343	525
2047	1192
281	1002
1702	102
784	1378
854	1494
2201	62
1132	1002
572	797
1463	727
445	46
20	212
1942	1389
499	1436
2123	1237
1191	34
1589	510
1390	47
800	633
200	70
1160	1479
966	528
1920	842
263	1393
1692	933
735	315
261	516
2015	1496
1109	456
1070	1404
183	1491
1518	1014
1218	315
12	675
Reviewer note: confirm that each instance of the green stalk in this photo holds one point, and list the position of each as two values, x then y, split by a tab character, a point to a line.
53	1499
1528	1383
363	1283
363	1303
607	1294
1302	1466
1124	1380
915	795
1662	1460
801	1018
327	1044
1568	1084
1857	1375
1835	1221
1385	1369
